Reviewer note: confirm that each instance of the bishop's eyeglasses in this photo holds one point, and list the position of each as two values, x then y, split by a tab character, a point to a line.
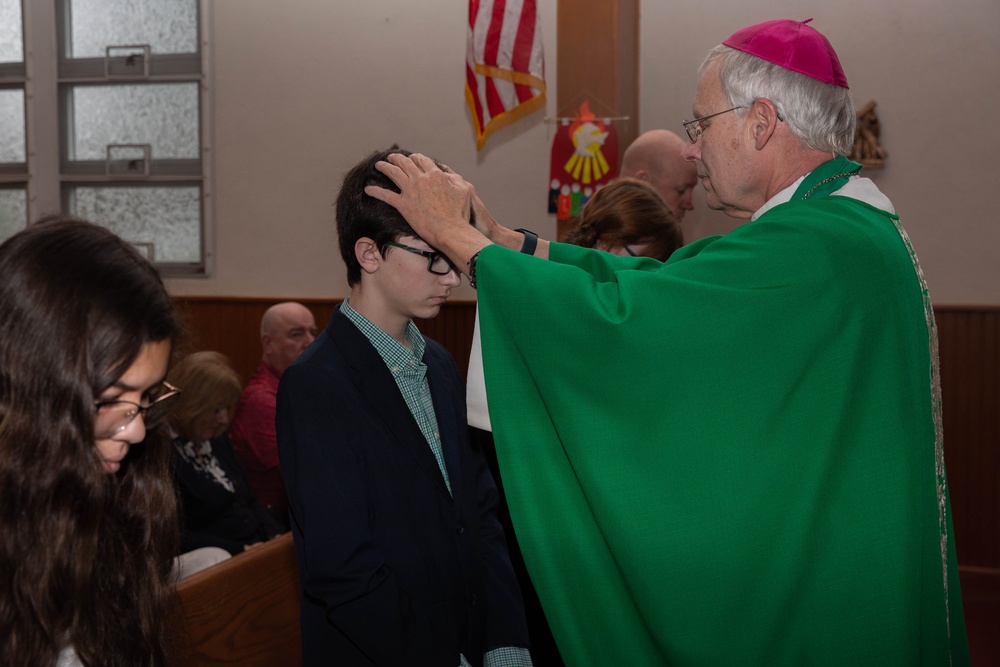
694	128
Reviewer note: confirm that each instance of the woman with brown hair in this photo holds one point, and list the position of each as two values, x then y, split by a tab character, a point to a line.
88	519
628	217
218	508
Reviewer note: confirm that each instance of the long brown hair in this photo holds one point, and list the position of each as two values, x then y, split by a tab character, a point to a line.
85	557
628	211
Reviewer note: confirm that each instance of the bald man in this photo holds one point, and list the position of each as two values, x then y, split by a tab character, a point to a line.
655	157
286	329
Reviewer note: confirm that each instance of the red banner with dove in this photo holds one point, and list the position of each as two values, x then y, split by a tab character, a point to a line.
584	159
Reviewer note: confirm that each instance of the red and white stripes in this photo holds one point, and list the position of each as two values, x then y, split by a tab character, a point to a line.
505	65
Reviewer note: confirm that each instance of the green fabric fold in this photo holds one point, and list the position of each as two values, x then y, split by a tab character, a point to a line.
728	458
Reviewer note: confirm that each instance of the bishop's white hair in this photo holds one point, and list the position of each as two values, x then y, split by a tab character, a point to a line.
820	114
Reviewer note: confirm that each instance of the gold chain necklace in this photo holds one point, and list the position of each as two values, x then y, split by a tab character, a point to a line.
827	180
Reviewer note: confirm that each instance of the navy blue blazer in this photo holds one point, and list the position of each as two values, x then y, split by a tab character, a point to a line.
395	570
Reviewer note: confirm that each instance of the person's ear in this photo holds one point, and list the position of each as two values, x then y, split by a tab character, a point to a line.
764	115
367	254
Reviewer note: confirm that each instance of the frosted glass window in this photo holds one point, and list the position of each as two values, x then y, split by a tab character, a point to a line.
11	41
163	115
13	212
166	219
11	125
168	26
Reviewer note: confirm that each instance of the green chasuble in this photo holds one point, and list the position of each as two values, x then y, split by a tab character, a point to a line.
735	457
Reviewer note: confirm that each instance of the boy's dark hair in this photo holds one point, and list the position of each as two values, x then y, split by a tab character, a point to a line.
359	215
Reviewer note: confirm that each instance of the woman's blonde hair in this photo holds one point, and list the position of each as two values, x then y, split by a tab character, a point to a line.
207	382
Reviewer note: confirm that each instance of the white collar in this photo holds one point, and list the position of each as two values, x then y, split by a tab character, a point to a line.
857	187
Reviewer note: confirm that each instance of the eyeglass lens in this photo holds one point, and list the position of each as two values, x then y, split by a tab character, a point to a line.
115	416
694	128
440	265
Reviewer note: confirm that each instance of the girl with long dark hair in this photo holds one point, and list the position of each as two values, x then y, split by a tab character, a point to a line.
88	518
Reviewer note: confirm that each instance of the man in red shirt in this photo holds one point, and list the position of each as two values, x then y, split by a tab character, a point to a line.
285	331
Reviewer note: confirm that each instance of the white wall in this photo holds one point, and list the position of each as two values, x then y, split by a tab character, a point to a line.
303	89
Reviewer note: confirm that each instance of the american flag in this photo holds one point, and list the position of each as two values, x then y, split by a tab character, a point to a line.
505	65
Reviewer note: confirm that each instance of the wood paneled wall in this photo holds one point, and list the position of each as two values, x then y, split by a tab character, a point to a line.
970	379
969	340
231	325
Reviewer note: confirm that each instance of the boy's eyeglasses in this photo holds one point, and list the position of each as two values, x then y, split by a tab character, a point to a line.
437	262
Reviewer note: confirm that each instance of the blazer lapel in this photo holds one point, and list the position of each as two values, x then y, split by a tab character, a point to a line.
447	419
376	384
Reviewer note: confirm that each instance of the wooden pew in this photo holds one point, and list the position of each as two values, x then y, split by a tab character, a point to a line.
243	611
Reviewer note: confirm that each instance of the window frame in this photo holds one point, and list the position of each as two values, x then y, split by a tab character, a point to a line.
13	76
48	75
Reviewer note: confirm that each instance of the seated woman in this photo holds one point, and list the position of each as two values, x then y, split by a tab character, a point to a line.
628	217
217	507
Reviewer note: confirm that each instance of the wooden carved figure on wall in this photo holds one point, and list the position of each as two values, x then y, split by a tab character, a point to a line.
867	149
